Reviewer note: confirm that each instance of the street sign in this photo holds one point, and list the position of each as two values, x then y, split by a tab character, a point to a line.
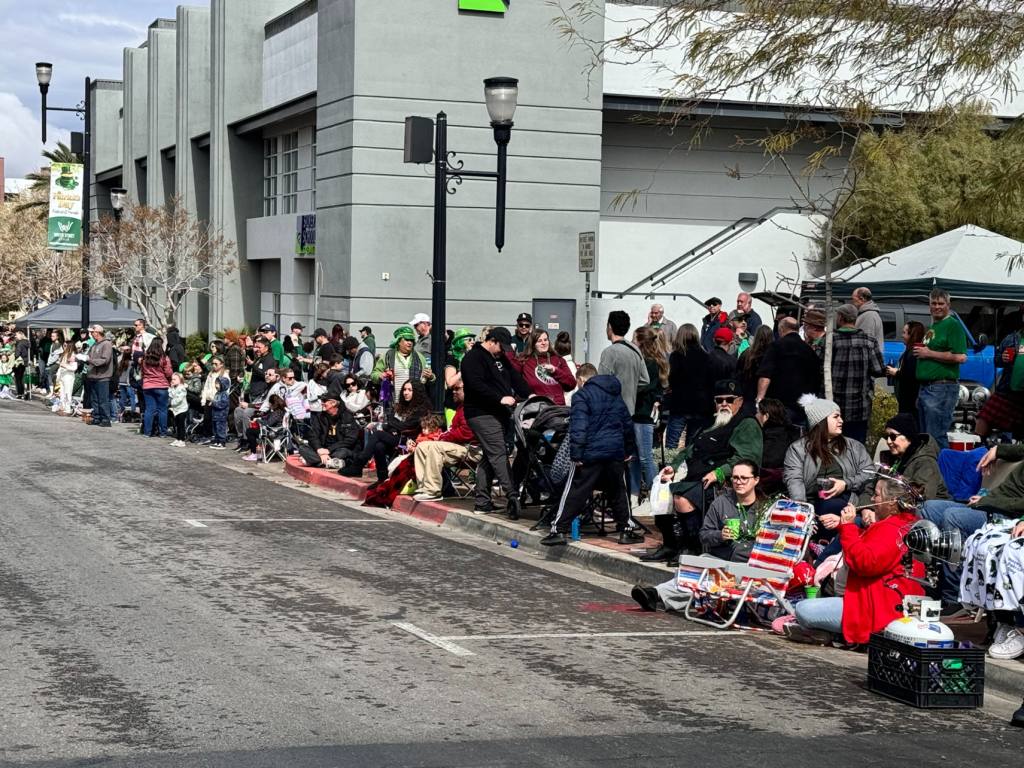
305	234
588	252
64	227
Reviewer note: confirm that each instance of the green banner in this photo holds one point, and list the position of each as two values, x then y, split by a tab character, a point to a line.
486	6
64	227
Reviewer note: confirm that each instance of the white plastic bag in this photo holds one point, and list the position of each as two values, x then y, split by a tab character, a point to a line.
661	497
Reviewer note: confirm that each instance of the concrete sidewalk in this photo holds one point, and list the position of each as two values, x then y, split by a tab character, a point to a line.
596	554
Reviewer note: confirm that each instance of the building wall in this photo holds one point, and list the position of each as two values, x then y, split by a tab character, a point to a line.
162	105
289	55
376	212
135	132
106	101
236	40
192	119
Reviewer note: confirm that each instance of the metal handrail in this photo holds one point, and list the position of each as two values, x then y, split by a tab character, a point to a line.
707	247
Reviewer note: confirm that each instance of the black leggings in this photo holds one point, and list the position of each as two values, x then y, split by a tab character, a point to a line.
381	446
179	426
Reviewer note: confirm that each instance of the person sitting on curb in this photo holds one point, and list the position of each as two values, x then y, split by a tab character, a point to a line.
914	455
334	436
708	459
876	579
722	539
601	441
450	447
1006	501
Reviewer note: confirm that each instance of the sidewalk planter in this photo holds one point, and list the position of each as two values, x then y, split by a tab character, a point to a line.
927	678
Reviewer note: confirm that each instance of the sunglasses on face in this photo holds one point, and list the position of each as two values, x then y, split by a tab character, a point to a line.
725	399
890	436
351	384
525	325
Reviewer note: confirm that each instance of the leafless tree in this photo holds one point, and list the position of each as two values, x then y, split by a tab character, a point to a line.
153	258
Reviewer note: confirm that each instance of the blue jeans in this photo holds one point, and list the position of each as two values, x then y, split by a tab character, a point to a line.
935	404
674	430
156	408
220	425
643	467
126	395
821	613
952	515
99	390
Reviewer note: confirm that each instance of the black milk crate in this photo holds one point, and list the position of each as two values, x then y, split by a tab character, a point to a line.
927	678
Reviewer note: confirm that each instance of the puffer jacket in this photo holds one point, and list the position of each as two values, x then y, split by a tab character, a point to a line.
799	471
921	468
600	427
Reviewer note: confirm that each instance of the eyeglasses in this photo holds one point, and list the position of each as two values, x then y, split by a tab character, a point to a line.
890	436
739	479
727	399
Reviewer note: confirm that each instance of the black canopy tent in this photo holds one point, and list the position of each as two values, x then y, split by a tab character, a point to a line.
67	313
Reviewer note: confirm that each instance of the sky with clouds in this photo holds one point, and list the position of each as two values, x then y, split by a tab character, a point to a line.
80	38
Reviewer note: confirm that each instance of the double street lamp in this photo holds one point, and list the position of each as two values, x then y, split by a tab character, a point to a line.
500	95
80	144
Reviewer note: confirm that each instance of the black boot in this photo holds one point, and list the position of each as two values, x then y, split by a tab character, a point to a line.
646	597
1018	717
661	553
512	509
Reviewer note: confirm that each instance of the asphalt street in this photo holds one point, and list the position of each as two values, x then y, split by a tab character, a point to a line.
160	609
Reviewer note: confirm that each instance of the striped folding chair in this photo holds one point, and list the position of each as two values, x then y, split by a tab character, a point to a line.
720	589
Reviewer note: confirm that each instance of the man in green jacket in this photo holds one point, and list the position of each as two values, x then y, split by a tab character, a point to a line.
708	458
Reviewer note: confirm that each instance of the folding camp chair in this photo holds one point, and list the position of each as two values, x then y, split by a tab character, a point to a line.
276	441
461	476
720	589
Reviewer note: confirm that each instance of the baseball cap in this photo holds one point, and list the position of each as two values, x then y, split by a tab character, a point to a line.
366	329
268	327
712	301
418	318
728	387
814	317
525	317
261	340
724	334
320	332
298	326
501	335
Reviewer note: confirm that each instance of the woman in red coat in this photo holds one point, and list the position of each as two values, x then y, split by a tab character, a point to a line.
876	580
545	372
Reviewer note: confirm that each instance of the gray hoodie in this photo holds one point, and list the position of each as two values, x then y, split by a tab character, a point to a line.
870	321
624	361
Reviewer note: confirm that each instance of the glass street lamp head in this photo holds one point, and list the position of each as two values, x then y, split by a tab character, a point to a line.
44	71
500	94
118	198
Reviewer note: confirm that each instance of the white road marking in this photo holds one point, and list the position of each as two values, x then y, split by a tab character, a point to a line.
578	635
440	642
199	520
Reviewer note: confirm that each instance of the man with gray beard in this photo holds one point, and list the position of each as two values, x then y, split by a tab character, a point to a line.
707	461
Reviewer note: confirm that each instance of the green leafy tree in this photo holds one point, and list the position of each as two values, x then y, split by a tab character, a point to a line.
39	203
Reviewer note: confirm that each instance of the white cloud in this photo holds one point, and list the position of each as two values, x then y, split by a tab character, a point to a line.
98	20
20	144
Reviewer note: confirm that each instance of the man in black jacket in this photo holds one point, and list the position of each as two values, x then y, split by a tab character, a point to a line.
789	369
491	385
333	435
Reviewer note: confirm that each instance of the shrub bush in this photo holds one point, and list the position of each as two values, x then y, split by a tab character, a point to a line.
195	345
883	408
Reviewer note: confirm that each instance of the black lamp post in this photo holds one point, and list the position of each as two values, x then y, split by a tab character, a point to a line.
44	73
500	95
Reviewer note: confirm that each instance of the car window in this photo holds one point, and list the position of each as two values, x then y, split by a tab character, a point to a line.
890	327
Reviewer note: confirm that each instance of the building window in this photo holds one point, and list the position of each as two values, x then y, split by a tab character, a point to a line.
290	172
270	177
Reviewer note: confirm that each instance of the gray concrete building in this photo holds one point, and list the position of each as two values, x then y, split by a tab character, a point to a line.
264	116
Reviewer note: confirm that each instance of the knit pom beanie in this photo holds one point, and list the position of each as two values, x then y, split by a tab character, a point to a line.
817	409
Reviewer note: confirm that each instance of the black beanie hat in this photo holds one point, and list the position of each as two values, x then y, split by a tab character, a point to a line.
905	424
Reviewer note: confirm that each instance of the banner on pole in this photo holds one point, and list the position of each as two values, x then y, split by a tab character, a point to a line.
64	230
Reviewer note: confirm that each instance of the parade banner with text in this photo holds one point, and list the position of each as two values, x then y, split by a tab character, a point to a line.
64	232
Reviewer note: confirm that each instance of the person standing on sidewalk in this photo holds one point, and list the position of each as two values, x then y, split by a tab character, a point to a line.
156	378
856	363
491	387
623	360
938	368
101	367
601	440
868	319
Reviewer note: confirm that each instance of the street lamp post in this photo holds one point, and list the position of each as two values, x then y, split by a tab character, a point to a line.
500	95
44	73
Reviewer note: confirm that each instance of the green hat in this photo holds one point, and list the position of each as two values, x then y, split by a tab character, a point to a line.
403	332
461	334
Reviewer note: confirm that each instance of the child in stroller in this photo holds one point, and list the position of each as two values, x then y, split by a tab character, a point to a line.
540	428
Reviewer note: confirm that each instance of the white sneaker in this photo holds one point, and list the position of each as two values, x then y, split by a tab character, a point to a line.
334	464
1002	630
425	496
1010	648
178	444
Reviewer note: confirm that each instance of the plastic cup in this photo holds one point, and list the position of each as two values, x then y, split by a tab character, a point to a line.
810	592
733	524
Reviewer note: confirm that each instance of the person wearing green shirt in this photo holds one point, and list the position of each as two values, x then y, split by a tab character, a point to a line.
367	333
276	347
938	368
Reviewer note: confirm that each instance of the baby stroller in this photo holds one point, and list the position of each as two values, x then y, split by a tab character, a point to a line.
540	429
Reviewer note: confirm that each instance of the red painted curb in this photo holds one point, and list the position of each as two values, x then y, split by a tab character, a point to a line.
351	488
431	511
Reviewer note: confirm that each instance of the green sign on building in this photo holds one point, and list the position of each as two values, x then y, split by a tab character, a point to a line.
485	6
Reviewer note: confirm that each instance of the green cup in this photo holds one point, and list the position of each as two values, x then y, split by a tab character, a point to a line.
810	592
733	524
